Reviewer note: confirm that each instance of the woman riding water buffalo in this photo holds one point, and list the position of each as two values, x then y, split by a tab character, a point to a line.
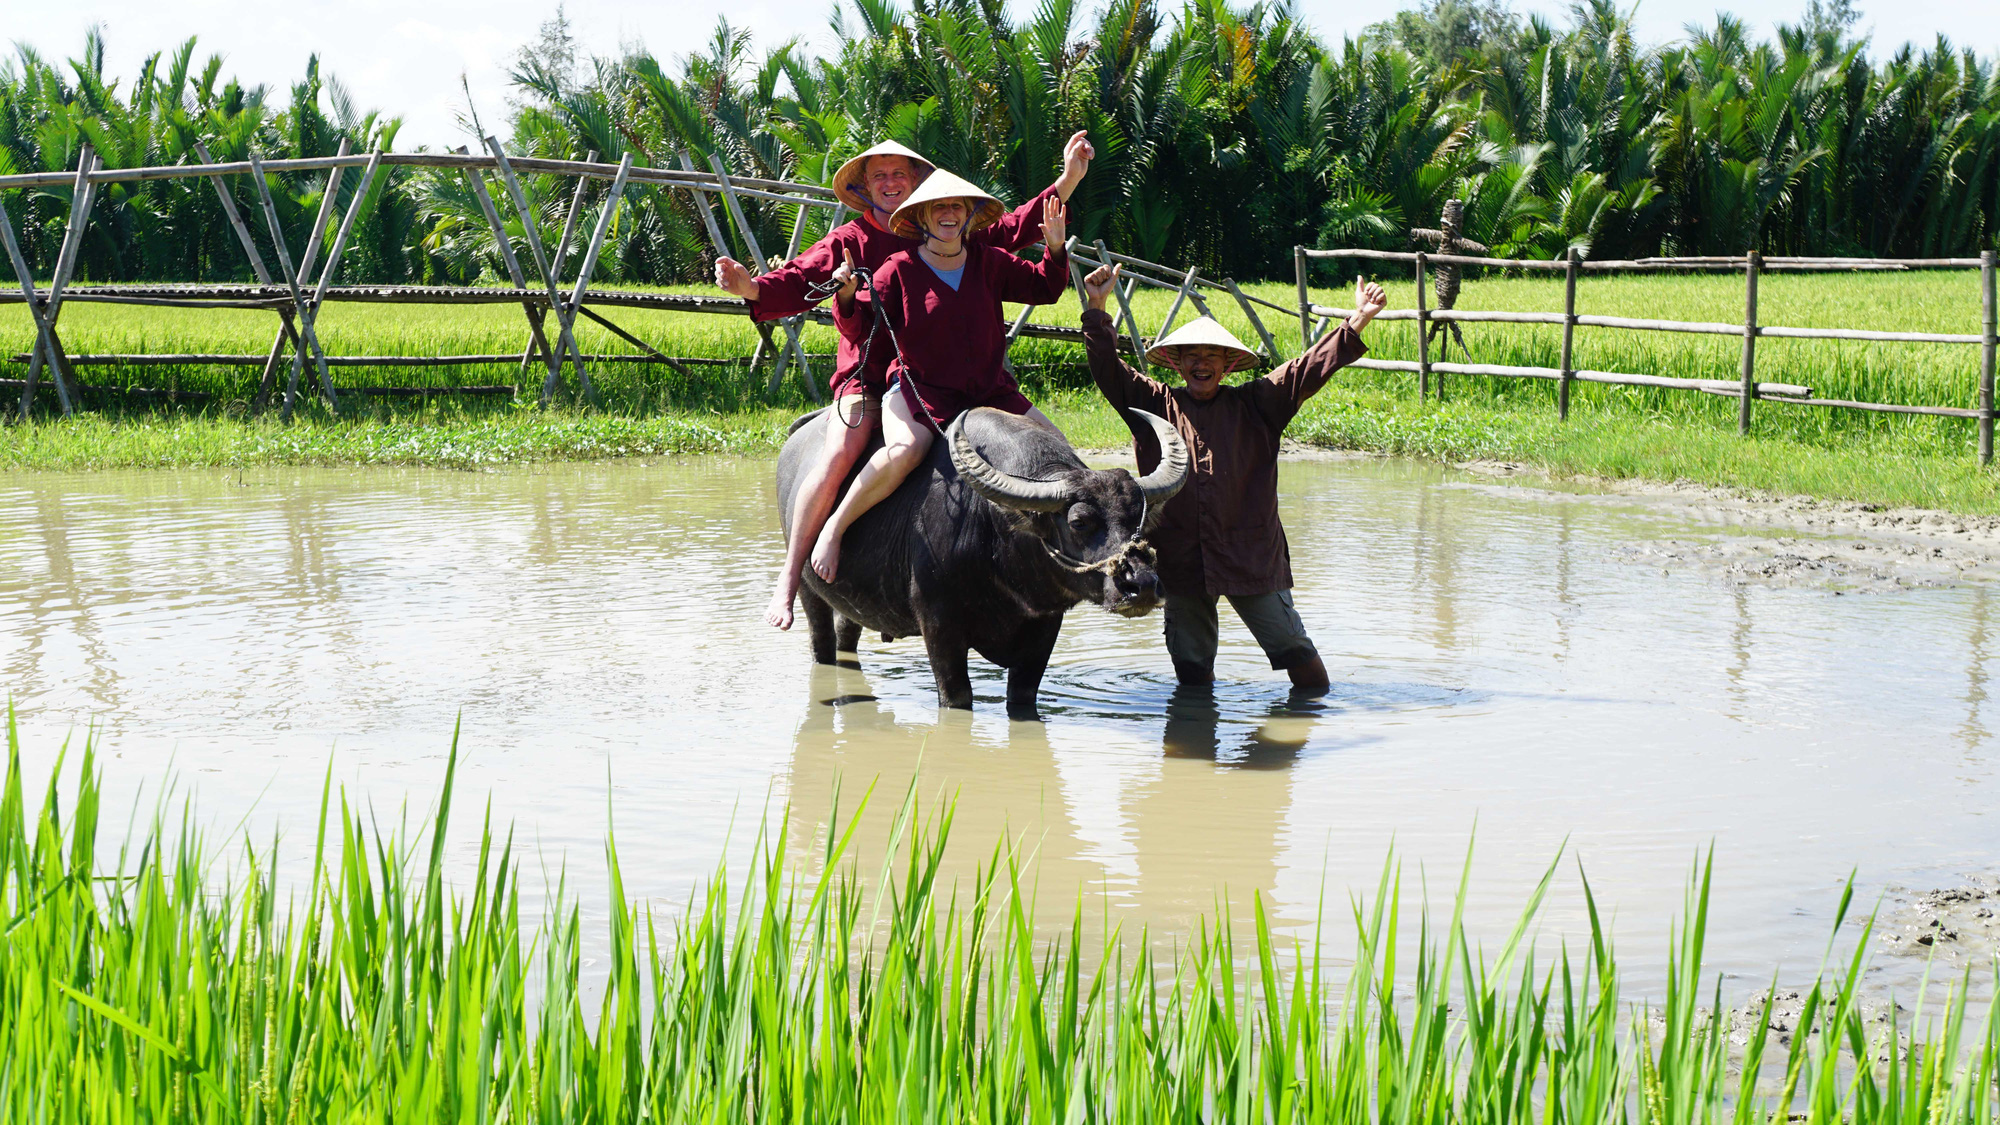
874	184
941	301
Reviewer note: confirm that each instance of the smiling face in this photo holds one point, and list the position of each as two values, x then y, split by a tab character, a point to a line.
1202	367
889	180
945	219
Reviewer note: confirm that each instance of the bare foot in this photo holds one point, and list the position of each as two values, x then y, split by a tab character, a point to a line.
826	555
779	613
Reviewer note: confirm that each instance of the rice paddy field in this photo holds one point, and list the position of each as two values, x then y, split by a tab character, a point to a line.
168	981
1613	431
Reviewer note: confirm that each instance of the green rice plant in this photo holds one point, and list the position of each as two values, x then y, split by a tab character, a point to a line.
154	984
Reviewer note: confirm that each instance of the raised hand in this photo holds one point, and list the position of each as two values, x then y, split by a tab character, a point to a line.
849	282
1055	230
731	276
1369	299
1098	284
1077	154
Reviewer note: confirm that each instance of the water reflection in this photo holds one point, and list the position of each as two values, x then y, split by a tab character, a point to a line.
1496	660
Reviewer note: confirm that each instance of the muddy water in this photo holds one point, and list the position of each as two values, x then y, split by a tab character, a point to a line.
1619	676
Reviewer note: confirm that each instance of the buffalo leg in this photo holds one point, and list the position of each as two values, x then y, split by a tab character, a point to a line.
1032	647
947	649
819	616
847	636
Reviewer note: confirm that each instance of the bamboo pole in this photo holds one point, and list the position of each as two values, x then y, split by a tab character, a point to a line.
650	350
1751	263
27	280
305	325
736	216
722	250
783	191
1179	297
796	324
565	332
562	251
1770	392
1270	345
1989	306
311	252
201	359
1424	337
268	381
1569	335
48	345
536	337
589	267
340	238
1125	310
1305	298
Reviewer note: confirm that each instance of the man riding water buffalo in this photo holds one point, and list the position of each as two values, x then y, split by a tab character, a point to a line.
874	184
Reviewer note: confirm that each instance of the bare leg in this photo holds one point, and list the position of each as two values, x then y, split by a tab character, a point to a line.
905	441
847	430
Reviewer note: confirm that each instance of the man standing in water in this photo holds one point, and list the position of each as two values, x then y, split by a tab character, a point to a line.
873	184
1221	536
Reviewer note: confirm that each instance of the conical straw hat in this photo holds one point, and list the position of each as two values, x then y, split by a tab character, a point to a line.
1197	332
941	184
850	182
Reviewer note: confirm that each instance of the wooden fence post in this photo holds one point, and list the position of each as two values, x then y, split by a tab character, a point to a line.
536	339
1180	296
565	320
1124	296
1570	268
789	324
722	251
1753	264
589	267
1424	338
299	307
556	263
1270	345
1299	265
1990	328
48	346
268	381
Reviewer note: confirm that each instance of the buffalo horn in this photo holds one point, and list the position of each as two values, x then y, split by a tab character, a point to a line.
1004	489
1171	473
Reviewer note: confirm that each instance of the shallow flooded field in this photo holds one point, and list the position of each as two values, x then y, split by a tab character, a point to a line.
1631	678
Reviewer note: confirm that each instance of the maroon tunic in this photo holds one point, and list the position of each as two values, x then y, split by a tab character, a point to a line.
786	291
952	342
1221	535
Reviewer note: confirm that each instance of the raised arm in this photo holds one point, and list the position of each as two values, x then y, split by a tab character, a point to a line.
1035	283
1280	393
1122	386
1023	225
787	290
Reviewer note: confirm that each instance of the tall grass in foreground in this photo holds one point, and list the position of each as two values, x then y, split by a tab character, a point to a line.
144	986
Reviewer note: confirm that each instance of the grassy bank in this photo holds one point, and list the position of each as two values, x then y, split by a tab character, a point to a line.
1612	432
147	983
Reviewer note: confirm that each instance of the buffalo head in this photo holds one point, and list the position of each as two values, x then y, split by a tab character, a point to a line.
1093	523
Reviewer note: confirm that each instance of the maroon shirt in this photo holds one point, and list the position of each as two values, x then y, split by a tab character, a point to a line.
1221	534
952	341
786	291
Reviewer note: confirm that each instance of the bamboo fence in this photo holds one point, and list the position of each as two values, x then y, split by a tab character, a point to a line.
1313	319
296	293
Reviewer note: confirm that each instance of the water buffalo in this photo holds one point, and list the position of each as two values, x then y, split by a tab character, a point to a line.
986	546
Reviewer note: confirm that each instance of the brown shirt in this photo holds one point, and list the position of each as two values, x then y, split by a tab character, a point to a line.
1221	535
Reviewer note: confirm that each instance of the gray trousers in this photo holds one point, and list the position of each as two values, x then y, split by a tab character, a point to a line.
1193	631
